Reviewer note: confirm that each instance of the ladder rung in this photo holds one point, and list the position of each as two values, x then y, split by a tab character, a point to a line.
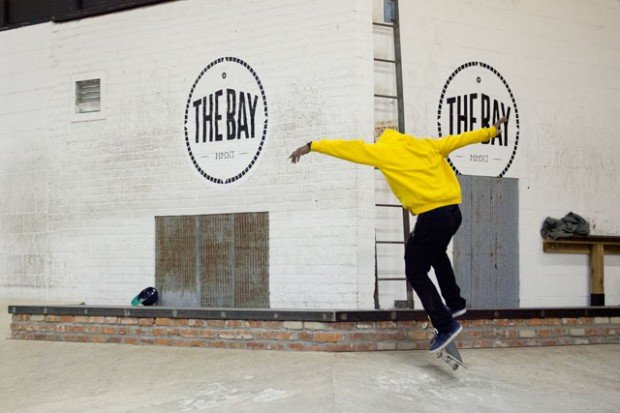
390	242
383	24
391	279
386	96
384	60
389	205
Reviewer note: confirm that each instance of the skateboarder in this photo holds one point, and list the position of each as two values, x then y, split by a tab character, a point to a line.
420	177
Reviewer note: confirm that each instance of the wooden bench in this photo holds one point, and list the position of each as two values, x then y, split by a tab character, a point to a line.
595	245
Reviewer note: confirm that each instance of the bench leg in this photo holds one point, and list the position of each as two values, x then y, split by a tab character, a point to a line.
597	276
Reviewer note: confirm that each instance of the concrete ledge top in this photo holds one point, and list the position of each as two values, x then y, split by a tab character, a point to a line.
306	314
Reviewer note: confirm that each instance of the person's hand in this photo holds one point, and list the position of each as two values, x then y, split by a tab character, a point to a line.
299	152
498	124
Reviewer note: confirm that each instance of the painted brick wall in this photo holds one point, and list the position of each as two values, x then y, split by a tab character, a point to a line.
561	62
78	198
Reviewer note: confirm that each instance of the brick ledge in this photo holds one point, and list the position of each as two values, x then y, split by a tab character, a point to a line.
307	315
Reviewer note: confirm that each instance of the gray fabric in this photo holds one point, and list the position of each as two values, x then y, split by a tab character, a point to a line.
571	224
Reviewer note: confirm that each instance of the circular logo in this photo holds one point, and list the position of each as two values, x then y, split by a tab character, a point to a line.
476	96
226	120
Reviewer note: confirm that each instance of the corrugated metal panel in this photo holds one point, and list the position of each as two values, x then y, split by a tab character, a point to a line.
251	260
175	261
486	248
213	260
217	261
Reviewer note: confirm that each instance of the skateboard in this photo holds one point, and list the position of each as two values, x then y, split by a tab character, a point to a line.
449	354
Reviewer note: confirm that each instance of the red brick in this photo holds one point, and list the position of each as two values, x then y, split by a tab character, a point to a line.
274	335
474	323
343	326
112	320
473	334
113	339
172	331
304	336
551	332
410	324
91	329
543	321
255	345
295	346
323	337
158	332
207	333
419	335
74	329
597	331
52	318
236	323
508	322
374	336
385	324
188	333
146	340
162	341
180	322
362	347
162	321
236	345
80	319
43	327
196	323
137	331
129	340
274	346
146	321
129	320
98	339
235	334
215	323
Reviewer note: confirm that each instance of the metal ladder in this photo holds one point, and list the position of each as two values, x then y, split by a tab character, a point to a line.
393	26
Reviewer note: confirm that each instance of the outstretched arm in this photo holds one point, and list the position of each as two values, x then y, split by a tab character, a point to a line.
357	151
451	143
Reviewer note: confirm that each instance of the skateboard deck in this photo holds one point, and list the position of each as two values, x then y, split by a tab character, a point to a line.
449	354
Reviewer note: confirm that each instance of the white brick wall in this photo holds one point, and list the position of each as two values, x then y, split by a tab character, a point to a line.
561	61
79	198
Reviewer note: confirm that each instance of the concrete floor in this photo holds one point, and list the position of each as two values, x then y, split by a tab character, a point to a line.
75	377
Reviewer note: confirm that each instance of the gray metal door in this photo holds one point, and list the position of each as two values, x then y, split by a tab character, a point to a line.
486	247
213	260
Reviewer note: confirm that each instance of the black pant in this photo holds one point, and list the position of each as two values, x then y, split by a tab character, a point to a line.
426	247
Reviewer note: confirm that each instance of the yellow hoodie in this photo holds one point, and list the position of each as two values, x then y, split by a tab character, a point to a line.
415	168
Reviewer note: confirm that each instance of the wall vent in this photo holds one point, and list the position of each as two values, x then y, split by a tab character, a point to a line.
88	96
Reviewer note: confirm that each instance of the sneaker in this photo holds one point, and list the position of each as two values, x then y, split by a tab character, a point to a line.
459	313
456	313
441	340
